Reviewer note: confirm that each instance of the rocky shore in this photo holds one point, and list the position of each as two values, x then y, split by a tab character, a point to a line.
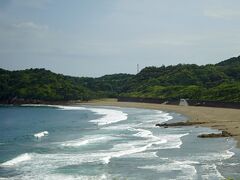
188	123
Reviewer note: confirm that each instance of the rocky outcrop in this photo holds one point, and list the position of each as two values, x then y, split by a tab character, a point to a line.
216	135
187	123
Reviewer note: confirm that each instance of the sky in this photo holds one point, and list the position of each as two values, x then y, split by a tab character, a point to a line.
98	37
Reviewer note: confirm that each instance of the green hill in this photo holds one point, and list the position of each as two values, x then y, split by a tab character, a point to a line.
219	82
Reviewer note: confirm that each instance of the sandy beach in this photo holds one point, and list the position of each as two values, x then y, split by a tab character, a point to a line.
217	118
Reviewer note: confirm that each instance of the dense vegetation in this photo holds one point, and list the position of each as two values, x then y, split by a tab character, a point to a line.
45	85
219	82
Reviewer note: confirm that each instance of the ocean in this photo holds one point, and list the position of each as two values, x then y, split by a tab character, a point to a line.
89	142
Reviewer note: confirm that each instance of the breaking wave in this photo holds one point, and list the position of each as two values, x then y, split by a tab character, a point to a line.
19	159
41	134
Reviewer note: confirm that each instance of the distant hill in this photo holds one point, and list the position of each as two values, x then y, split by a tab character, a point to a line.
230	62
219	82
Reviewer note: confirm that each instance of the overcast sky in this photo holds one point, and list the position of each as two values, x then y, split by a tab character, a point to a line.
97	37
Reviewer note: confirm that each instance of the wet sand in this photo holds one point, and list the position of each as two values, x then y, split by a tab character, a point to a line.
217	118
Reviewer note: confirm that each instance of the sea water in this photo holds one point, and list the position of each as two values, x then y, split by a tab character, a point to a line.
71	142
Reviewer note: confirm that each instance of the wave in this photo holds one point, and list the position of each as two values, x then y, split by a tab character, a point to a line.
41	134
214	156
87	140
187	169
163	116
17	160
158	117
173	141
107	159
136	147
210	171
77	177
147	155
149	120
119	127
61	107
144	133
109	116
71	108
170	141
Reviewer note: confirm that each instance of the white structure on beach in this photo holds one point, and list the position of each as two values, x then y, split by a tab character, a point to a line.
183	102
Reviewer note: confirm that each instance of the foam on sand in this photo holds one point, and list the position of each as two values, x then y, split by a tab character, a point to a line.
41	134
17	160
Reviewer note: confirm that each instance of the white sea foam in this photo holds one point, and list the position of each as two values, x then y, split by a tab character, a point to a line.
53	176
41	166
163	116
109	116
119	127
61	107
71	107
41	134
149	142
144	144
213	156
135	147
168	141
188	171
107	159
157	117
147	155
210	171
87	140
144	133
17	160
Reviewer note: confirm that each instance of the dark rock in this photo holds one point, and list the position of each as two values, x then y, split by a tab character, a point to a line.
187	123
216	135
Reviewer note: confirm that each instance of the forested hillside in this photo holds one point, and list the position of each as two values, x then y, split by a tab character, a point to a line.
219	82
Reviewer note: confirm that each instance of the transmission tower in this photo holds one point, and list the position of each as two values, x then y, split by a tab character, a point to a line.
137	68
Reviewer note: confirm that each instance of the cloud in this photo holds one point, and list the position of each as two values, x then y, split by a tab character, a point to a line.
31	26
222	13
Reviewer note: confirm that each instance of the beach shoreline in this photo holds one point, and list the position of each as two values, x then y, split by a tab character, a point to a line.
223	119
